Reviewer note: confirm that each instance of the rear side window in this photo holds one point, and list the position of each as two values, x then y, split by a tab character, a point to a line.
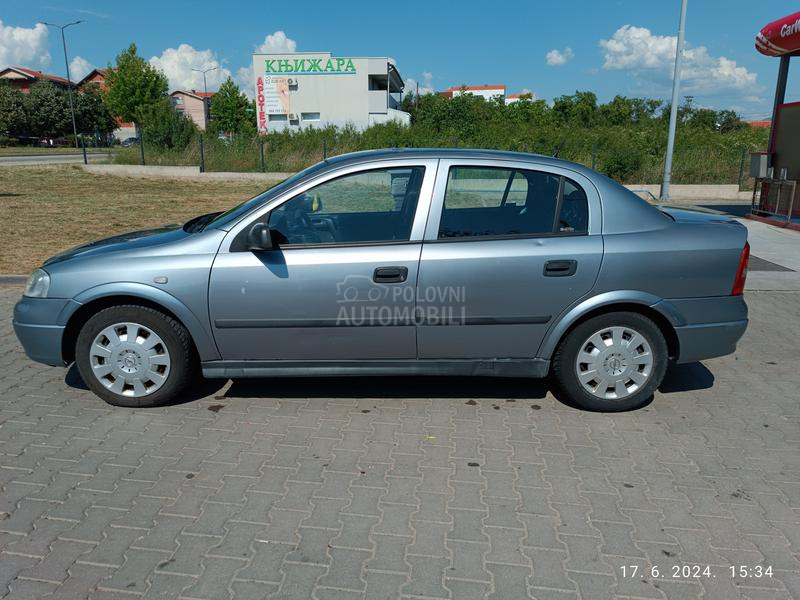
498	202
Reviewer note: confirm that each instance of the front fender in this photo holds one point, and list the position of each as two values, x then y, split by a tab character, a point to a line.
573	314
203	341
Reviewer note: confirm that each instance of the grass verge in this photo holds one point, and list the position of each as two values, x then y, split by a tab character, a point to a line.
44	210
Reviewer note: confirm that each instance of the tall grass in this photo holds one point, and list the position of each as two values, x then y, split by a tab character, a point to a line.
631	154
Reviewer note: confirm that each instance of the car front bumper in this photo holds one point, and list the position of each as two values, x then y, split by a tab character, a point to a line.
39	324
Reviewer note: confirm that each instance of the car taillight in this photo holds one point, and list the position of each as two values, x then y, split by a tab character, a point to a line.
741	272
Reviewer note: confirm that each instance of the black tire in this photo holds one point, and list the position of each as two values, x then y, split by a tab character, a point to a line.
183	360
566	356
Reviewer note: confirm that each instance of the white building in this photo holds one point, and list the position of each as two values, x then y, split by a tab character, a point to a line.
511	98
316	89
487	92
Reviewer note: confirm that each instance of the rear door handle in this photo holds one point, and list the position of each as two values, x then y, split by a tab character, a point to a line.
390	275
560	268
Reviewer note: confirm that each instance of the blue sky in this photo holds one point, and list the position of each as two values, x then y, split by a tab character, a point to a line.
550	48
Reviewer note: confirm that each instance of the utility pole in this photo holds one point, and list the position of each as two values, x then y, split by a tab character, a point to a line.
66	66
673	110
205	96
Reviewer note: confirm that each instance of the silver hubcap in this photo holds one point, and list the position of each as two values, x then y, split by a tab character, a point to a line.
614	363
130	359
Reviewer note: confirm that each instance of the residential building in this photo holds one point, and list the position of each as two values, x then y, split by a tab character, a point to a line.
22	78
124	129
511	98
487	92
195	105
317	89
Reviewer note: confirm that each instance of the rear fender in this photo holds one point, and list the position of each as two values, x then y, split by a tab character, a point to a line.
574	314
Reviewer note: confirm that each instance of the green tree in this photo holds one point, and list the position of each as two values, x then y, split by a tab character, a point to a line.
47	111
133	85
703	117
728	121
164	127
13	121
230	111
91	112
579	109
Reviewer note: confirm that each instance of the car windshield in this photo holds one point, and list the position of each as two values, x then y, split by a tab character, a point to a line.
237	211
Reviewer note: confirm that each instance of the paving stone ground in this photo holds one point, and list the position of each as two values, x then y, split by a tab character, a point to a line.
406	487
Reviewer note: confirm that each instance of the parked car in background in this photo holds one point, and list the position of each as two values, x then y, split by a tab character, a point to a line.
484	263
131	141
54	142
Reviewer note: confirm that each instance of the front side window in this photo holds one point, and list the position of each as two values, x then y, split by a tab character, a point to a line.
492	202
369	206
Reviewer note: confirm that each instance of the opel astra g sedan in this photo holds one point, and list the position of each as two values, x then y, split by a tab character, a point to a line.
434	262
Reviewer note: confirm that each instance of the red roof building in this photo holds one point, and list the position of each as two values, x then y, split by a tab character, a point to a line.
22	78
485	91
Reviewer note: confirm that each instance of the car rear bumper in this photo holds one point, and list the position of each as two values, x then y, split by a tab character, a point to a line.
709	340
705	327
40	329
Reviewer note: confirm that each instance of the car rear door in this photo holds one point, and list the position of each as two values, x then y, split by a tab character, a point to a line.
339	283
508	246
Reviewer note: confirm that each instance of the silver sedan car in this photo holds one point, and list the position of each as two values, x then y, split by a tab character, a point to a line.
425	262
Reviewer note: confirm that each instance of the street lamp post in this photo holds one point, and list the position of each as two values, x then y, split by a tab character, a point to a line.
673	111
66	66
205	91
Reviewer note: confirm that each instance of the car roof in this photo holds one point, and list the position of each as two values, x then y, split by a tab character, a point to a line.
452	153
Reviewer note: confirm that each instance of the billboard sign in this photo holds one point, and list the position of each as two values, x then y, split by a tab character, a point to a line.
275	76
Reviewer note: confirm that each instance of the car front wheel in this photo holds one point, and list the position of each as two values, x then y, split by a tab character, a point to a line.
611	362
134	356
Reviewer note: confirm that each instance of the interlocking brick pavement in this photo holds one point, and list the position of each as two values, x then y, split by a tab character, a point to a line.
405	487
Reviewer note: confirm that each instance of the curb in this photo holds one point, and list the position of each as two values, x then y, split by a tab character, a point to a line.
13	279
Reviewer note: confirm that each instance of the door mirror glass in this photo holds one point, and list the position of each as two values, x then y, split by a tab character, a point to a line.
259	237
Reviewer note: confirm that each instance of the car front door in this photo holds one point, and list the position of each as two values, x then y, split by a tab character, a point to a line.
508	246
339	282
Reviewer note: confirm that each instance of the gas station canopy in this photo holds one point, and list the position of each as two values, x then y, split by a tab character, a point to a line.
781	37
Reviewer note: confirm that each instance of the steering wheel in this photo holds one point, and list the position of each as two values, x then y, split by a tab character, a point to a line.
300	226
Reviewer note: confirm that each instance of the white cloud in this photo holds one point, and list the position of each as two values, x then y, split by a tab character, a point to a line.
276	43
649	56
556	57
79	68
244	79
425	86
23	47
177	64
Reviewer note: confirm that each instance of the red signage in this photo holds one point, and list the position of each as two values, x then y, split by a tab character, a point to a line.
262	117
780	37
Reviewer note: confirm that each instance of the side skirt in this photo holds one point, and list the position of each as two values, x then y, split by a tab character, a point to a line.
499	367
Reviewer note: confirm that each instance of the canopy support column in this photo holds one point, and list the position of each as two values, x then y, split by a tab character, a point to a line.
780	96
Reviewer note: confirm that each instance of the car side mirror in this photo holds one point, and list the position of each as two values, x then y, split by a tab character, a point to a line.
259	237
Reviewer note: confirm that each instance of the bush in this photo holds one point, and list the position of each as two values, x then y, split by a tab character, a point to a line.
627	137
165	128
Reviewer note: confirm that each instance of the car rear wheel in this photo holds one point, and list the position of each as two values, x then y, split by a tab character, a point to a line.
611	362
134	356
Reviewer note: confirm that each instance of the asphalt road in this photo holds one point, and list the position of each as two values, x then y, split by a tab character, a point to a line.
44	159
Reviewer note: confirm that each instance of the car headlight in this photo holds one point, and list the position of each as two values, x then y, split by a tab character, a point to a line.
38	284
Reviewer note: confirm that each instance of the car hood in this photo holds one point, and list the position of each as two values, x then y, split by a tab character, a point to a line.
133	240
694	215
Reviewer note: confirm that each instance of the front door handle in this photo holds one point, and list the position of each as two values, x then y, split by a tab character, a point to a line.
560	268
390	275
